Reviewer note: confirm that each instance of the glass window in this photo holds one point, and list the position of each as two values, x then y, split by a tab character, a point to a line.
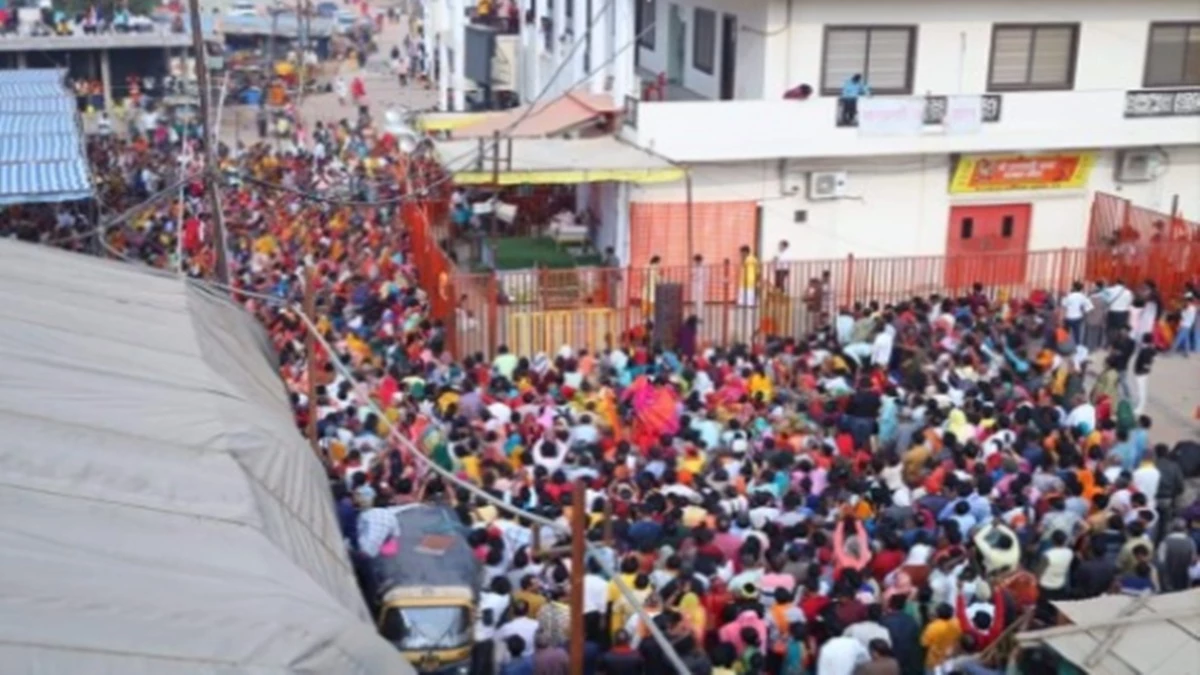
704	40
1033	57
883	55
415	628
1173	55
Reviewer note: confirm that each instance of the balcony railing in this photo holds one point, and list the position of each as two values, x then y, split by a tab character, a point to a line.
1162	103
739	130
935	111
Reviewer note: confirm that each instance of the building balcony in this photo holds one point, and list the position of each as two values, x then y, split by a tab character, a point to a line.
727	131
1162	103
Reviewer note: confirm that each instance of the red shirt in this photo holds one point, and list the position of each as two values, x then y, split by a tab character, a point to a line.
885	561
812	605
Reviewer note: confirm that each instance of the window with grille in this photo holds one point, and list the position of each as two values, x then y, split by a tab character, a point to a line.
1173	55
883	55
1032	57
704	40
646	18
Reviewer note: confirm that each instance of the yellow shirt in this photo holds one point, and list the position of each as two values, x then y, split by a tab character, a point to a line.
940	639
470	465
692	464
535	601
750	271
760	384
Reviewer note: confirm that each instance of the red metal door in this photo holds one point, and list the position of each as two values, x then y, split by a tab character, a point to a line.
987	244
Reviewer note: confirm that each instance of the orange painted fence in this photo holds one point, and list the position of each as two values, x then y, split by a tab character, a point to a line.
533	311
1116	220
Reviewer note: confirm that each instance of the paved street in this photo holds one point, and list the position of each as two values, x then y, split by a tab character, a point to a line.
383	89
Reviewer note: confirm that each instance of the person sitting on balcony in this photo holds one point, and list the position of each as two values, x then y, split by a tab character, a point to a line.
801	92
853	88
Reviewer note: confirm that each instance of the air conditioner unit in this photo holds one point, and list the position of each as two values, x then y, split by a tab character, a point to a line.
826	185
1137	166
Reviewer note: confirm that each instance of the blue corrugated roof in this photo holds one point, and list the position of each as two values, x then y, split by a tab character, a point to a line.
41	152
36	124
30	90
52	76
22	149
59	181
50	104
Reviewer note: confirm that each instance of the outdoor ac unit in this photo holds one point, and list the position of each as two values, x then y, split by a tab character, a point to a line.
1137	166
826	185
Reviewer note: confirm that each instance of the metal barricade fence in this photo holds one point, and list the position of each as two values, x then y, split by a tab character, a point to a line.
540	310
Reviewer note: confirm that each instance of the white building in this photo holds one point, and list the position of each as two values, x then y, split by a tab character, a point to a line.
990	125
1050	100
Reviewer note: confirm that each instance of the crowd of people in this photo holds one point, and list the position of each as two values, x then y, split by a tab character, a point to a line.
895	492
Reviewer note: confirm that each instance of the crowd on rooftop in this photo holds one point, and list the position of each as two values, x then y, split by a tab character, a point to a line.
891	493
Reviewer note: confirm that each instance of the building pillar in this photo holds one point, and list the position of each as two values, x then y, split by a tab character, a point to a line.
22	61
579	31
443	49
535	51
559	48
458	26
429	29
624	206
106	79
602	43
623	75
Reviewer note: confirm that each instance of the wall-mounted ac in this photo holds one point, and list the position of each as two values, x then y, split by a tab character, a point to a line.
824	185
1138	166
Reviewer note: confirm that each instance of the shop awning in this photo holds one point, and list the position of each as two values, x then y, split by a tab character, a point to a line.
567	112
545	161
435	122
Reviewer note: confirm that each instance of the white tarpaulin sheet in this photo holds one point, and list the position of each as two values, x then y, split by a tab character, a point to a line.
160	512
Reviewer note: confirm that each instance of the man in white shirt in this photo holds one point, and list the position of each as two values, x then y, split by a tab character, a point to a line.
840	656
881	348
844	325
1120	302
1186	338
1075	307
1083	415
1146	477
521	625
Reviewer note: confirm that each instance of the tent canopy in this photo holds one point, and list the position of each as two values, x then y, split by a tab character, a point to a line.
161	512
1124	635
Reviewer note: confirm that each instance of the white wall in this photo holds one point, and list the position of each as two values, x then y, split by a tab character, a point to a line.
900	206
953	39
751	53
